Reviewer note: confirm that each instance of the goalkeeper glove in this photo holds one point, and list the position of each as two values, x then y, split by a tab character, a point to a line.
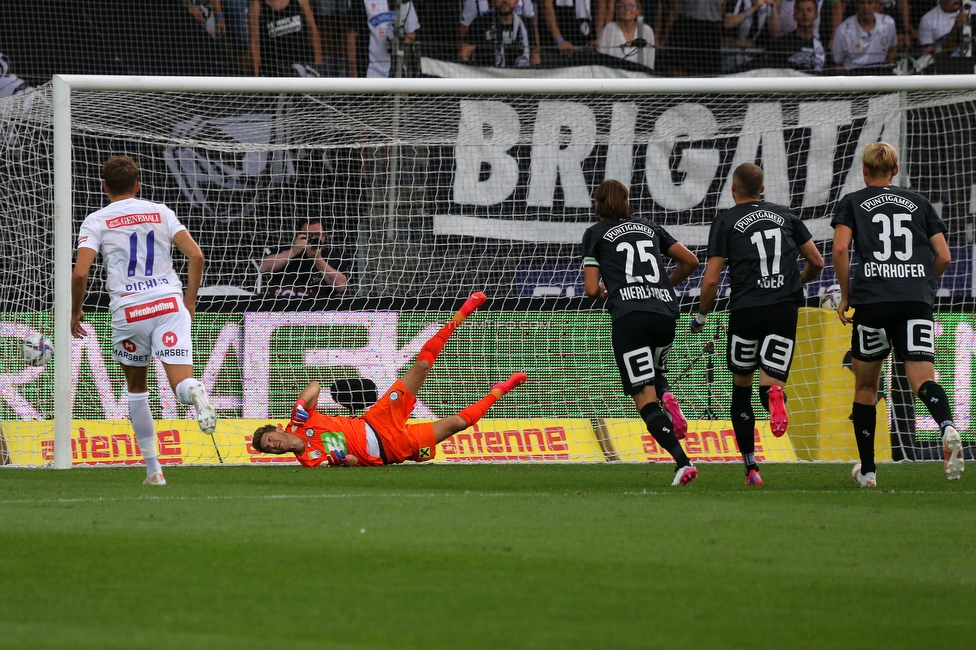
336	458
299	416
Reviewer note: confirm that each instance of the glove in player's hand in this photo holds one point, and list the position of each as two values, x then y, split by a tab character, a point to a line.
299	416
336	458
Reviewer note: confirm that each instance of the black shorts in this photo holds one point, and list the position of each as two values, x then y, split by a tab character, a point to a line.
762	337
905	326
641	343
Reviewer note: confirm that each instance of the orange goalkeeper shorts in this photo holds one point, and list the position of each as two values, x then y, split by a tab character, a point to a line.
401	441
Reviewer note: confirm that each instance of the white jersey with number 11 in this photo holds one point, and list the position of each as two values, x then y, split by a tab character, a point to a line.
135	238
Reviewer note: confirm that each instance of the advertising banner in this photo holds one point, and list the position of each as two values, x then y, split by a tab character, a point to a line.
255	364
178	442
111	442
522	440
523	167
707	441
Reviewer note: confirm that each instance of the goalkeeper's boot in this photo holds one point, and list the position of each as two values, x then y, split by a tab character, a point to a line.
684	475
952	448
864	480
678	420
505	387
477	410
206	415
778	419
474	301
753	478
435	345
156	478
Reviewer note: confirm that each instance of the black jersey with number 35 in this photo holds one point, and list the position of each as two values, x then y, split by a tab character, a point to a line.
892	227
629	254
760	242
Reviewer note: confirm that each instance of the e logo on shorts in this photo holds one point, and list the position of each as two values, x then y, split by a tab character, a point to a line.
170	339
743	352
777	352
129	345
872	340
394	396
639	364
921	336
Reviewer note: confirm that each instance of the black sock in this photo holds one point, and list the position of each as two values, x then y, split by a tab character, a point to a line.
660	427
661	385
865	419
744	424
935	400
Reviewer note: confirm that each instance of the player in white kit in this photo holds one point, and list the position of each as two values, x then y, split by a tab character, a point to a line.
150	313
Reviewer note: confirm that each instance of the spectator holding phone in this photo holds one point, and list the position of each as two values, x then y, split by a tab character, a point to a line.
301	270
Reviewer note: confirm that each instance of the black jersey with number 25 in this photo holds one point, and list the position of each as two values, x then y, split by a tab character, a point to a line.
892	227
760	242
629	254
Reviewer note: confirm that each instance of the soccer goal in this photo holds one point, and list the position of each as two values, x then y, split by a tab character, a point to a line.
424	190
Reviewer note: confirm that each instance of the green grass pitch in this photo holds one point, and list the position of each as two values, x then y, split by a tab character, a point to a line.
488	556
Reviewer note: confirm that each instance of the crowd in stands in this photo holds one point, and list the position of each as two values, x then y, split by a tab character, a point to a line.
283	255
379	38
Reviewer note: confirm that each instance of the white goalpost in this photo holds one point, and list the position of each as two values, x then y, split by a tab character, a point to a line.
430	189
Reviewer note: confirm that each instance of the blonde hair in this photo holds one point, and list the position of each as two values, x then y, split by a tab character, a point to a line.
881	159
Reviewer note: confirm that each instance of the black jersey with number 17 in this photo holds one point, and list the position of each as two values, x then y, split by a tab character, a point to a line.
760	242
629	256
891	227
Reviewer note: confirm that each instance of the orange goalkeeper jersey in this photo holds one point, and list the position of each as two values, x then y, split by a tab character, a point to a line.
323	433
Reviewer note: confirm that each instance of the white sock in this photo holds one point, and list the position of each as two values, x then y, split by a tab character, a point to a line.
142	423
183	390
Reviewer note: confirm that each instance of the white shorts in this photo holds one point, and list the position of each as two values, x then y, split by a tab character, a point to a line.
160	326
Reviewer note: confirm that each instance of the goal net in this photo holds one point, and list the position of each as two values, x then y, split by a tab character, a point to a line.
427	192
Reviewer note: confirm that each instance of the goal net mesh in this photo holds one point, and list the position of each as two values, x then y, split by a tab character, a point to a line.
424	199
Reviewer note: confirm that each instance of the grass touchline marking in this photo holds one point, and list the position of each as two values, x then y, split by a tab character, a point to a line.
794	491
448	495
271	496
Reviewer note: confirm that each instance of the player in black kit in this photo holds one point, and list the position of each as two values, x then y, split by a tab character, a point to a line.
901	250
627	252
762	242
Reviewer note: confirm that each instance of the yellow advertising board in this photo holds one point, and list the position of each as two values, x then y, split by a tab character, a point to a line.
707	441
112	442
566	440
821	391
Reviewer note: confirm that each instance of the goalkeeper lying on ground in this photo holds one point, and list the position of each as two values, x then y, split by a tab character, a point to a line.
381	436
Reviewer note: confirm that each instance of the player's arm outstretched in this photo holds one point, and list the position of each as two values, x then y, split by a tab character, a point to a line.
194	274
79	285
